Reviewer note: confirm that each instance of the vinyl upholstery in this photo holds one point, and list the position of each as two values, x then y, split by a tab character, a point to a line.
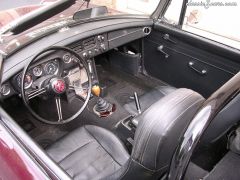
89	152
149	98
92	152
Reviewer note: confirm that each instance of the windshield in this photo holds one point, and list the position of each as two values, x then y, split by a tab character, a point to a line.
12	10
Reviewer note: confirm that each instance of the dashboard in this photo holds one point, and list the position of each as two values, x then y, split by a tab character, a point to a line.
88	43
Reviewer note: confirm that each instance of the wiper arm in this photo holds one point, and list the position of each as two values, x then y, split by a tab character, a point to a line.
33	18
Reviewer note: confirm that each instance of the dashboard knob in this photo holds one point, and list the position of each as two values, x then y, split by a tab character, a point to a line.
85	55
96	50
103	47
90	53
100	38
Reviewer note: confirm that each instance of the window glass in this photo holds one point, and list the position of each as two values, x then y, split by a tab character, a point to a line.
214	20
14	9
129	6
173	12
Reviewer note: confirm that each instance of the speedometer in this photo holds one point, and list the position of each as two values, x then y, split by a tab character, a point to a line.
51	68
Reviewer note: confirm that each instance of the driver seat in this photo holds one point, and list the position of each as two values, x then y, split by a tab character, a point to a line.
92	152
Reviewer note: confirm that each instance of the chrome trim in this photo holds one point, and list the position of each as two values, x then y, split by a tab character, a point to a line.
8	91
211	107
147	30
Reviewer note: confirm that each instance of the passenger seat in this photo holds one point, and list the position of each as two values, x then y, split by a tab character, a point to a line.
149	98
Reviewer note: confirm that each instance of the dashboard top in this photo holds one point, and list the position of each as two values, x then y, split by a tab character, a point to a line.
15	62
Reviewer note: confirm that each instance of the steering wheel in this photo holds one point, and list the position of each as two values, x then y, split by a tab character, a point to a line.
55	87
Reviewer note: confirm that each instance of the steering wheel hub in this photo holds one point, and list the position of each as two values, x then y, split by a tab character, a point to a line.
58	85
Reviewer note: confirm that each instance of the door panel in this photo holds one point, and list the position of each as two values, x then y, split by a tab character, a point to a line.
183	60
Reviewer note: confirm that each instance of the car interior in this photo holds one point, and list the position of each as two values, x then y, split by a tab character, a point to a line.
112	98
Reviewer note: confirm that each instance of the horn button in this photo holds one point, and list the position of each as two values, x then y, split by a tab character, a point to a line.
58	85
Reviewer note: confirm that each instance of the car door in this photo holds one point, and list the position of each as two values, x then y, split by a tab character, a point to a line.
184	49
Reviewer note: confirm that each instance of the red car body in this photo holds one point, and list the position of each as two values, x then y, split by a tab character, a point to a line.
15	162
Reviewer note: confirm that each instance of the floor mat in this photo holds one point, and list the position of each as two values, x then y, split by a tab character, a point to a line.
27	125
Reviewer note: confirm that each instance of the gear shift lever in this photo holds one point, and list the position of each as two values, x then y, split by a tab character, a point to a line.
102	108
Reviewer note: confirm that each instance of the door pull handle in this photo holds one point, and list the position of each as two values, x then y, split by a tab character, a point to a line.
160	49
167	38
201	72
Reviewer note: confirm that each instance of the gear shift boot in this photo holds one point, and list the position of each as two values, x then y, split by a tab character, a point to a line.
103	108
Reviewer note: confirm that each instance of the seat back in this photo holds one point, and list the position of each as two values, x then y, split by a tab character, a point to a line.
158	133
160	129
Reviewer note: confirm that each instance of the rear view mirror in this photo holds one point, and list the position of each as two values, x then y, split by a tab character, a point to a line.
90	13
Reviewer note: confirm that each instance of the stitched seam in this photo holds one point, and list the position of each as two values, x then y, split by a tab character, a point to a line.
91	164
147	132
141	132
74	151
164	93
103	147
157	149
126	169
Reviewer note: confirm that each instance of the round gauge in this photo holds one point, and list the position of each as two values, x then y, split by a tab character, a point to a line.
27	82
51	68
37	71
5	89
67	58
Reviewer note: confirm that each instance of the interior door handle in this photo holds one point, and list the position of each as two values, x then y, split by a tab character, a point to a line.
160	49
201	72
167	38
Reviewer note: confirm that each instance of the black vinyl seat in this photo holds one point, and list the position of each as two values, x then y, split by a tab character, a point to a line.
91	152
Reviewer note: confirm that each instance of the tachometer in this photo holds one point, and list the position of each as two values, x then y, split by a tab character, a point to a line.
51	68
37	71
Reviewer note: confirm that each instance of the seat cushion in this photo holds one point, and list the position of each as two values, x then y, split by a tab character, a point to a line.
149	98
89	152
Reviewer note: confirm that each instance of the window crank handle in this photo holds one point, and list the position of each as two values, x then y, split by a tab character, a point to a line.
160	49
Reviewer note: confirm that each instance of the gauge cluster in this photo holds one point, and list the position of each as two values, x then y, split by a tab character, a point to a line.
54	64
48	68
43	68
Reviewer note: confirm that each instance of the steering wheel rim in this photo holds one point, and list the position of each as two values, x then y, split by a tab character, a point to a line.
80	62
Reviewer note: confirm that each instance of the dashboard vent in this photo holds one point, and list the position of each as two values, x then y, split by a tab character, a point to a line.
77	46
89	42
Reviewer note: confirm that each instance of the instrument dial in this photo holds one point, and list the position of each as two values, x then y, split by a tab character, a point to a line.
51	68
27	81
5	89
37	71
67	58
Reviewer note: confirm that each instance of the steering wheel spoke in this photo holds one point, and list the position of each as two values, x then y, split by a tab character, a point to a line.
35	93
59	108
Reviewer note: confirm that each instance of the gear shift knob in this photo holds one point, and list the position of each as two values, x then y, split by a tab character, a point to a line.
96	90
